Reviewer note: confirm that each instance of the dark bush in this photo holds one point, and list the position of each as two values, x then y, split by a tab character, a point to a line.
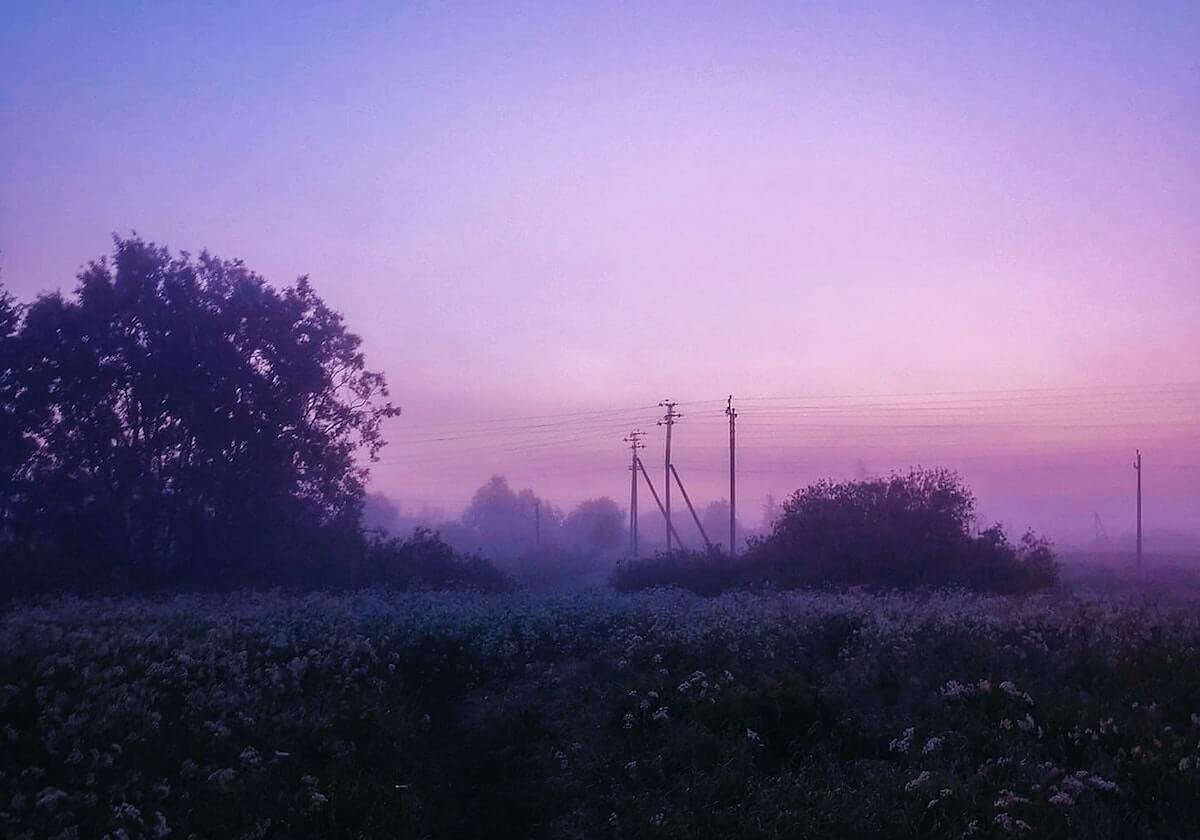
901	532
904	531
702	572
424	561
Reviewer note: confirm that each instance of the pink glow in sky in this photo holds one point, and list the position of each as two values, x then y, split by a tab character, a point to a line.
538	209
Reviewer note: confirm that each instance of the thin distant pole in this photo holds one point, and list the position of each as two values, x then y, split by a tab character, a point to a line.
635	443
669	421
537	521
732	414
1137	466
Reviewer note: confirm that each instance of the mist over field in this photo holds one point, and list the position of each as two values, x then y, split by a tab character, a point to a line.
760	420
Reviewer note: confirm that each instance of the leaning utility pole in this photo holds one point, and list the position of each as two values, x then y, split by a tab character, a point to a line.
732	414
688	501
668	421
635	443
654	493
1137	466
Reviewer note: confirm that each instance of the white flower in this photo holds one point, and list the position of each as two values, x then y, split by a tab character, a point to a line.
919	782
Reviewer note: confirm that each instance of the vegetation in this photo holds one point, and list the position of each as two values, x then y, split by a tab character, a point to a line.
904	532
179	424
660	715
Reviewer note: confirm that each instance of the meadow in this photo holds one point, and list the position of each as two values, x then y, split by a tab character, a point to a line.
656	715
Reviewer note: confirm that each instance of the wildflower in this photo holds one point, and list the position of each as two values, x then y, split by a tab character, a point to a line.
1062	799
903	743
954	690
224	776
662	715
1185	764
1007	799
919	782
932	745
48	799
628	722
752	736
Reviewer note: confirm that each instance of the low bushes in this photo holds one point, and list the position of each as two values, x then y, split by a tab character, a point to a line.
906	531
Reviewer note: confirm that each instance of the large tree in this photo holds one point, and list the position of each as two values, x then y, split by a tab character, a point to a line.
189	417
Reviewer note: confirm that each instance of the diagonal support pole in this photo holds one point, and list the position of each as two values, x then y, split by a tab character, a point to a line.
679	481
663	510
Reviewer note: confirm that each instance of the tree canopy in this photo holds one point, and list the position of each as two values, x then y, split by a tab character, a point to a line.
178	415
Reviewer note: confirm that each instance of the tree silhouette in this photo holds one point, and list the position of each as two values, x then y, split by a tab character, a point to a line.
189	420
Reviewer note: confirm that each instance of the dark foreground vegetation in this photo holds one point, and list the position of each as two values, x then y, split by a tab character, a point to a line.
660	715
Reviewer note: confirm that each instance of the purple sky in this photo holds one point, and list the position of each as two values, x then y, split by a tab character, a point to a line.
539	209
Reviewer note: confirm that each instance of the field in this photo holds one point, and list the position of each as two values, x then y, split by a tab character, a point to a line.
449	715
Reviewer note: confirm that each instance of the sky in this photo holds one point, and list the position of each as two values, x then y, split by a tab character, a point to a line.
543	219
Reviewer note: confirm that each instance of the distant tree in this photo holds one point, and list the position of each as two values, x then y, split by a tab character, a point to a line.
380	514
504	523
596	527
192	421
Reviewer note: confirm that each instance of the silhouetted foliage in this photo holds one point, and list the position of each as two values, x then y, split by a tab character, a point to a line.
505	523
903	532
424	561
596	527
703	572
180	420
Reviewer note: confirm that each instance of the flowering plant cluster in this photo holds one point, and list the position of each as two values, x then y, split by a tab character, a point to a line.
661	714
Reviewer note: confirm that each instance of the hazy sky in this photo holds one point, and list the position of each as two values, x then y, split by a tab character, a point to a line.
532	209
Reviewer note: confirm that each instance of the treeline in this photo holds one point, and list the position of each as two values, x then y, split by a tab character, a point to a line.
177	423
905	531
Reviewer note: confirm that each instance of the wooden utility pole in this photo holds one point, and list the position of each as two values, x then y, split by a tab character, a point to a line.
635	443
732	414
668	420
537	521
1137	466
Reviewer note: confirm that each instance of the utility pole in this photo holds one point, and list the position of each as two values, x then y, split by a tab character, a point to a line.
668	420
1137	466
732	414
635	443
537	521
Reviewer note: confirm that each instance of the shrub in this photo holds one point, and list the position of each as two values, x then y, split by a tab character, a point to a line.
901	532
703	572
424	561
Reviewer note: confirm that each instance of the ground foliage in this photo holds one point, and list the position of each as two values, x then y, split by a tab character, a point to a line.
657	715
